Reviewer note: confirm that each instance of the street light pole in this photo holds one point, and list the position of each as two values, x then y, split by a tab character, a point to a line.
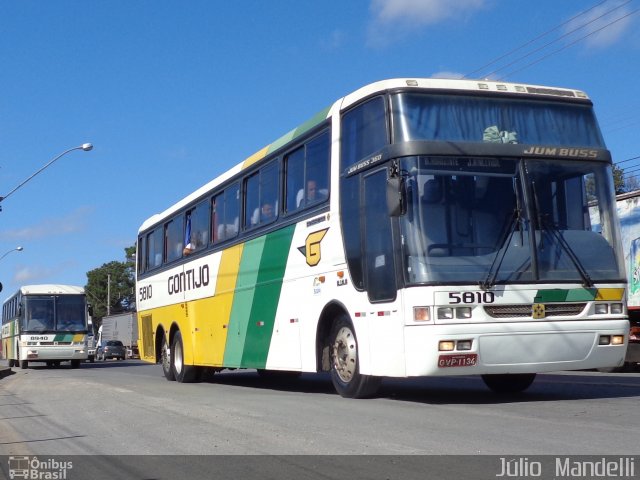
85	147
17	249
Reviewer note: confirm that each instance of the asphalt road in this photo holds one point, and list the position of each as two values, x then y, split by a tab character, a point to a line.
127	408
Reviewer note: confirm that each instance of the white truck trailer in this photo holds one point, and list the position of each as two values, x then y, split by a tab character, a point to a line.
123	327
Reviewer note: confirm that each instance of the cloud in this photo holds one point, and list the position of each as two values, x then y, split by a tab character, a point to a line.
394	19
25	275
422	12
604	29
446	74
51	227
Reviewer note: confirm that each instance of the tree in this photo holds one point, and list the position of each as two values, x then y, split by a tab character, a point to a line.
618	180
111	287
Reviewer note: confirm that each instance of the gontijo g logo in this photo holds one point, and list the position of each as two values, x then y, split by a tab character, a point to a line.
33	468
311	249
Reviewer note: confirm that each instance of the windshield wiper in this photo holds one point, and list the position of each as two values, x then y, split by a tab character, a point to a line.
550	227
505	243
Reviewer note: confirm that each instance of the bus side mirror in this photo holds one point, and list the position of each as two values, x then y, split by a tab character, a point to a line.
90	310
0	286
396	196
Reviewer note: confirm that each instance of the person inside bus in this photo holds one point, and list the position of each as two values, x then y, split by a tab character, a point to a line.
313	194
267	212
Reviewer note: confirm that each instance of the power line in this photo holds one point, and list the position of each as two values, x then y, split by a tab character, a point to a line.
627	160
570	44
526	44
559	38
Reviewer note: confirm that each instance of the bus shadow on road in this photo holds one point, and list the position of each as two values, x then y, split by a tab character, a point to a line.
304	383
451	390
547	387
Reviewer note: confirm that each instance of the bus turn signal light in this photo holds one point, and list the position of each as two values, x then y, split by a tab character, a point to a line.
421	314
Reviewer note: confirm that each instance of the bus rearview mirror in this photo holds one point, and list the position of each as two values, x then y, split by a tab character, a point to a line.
396	204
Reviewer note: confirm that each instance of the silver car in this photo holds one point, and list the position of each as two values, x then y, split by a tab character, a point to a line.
111	349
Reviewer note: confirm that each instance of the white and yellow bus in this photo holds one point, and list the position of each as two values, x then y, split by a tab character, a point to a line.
415	227
45	323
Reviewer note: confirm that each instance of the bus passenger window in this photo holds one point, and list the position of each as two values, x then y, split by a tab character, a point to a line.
154	248
196	235
251	192
295	179
173	237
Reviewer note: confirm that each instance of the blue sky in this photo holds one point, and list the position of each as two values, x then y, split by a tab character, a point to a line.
172	94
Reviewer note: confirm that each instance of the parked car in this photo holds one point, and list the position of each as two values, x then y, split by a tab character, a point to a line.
111	349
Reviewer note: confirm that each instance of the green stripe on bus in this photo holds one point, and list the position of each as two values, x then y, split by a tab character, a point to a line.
296	132
266	298
569	295
242	301
63	337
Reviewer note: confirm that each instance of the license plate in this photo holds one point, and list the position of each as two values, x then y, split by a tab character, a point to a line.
458	360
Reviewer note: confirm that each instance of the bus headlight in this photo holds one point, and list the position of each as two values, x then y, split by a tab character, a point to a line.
602	308
446	345
617	308
445	313
617	339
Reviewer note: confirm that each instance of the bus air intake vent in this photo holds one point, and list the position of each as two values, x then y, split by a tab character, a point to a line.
526	310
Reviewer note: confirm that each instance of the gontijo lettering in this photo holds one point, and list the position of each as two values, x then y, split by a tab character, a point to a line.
188	280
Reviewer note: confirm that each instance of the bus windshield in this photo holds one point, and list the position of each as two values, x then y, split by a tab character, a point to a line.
459	118
63	313
489	220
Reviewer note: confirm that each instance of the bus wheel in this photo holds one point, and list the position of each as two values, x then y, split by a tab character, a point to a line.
24	364
345	373
509	383
183	373
165	360
75	363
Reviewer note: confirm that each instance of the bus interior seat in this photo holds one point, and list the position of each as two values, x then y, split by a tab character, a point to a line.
434	217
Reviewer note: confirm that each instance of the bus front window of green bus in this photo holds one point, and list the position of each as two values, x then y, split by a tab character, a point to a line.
39	315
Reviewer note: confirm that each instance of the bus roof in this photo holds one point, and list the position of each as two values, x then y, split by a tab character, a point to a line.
50	289
471	86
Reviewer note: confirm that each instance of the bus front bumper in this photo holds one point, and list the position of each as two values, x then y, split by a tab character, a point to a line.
527	347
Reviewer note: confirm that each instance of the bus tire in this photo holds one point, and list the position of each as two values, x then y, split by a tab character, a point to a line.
165	360
75	363
182	373
509	383
345	368
24	364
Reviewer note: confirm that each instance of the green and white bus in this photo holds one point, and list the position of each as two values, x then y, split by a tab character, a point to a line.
45	323
415	227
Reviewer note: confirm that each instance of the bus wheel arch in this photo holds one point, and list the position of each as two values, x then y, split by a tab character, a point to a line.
340	350
323	334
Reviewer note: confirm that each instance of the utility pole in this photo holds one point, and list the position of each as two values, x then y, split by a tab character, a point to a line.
108	294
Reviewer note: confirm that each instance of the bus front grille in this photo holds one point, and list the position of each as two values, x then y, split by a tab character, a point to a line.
526	310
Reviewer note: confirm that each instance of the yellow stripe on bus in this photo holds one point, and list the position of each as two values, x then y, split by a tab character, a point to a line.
259	155
610	294
212	337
